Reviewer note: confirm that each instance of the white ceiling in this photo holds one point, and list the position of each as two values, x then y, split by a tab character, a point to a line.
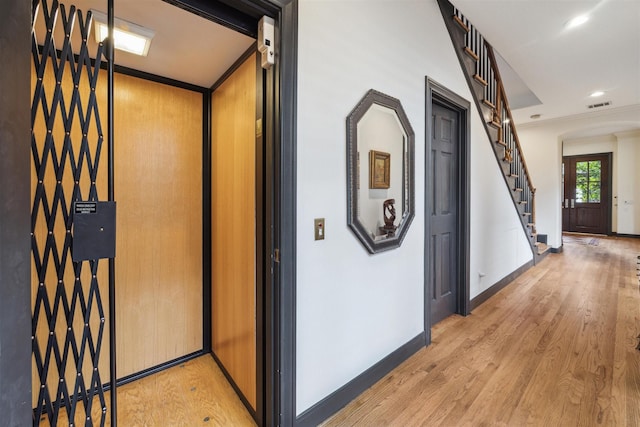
553	69
186	47
563	67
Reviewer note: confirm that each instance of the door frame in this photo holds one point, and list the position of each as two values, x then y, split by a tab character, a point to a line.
15	214
442	96
609	187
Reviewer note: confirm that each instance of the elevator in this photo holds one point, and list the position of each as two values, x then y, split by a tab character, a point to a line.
191	173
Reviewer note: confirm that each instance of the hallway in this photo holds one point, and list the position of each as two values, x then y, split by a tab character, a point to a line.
555	347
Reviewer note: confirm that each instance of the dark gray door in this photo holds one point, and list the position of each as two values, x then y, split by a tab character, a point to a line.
443	238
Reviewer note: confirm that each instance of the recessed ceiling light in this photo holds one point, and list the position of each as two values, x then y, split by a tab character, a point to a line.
127	36
597	94
577	21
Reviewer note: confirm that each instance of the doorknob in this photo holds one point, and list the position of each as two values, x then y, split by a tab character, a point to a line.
573	203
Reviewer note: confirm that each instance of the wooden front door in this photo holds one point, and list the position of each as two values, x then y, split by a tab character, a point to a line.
443	238
586	202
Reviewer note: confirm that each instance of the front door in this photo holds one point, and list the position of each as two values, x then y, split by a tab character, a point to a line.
443	238
586	202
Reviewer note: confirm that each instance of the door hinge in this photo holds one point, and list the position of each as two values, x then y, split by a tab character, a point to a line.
276	255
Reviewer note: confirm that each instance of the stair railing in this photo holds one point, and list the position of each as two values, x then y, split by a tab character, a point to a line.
488	74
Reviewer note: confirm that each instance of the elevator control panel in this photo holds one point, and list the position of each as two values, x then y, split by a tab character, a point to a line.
266	42
94	230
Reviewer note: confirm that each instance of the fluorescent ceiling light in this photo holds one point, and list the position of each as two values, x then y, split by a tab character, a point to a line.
577	21
597	94
127	36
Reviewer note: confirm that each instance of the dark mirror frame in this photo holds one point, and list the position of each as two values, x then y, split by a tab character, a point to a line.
373	246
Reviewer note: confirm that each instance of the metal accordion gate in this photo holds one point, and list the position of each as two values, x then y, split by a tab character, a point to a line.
72	311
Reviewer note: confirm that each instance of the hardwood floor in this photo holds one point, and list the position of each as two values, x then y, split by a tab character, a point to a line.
557	347
195	393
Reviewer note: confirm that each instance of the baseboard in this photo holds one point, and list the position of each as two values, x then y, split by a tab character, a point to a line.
494	289
345	394
557	250
156	369
634	236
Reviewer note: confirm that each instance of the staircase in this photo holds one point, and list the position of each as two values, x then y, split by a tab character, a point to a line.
479	65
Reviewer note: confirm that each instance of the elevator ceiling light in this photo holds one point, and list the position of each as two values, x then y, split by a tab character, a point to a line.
128	37
577	21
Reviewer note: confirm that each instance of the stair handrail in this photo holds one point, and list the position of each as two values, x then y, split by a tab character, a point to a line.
503	99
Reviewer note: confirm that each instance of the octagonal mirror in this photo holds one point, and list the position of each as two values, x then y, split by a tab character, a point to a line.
380	175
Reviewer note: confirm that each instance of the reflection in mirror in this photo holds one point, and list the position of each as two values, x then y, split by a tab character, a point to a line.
381	140
380	145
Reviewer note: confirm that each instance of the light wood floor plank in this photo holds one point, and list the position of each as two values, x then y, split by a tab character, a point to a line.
195	393
555	347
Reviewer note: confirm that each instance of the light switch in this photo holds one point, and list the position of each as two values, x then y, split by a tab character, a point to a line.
319	228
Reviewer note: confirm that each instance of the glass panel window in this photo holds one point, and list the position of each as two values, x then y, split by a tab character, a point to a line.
595	172
582	189
588	181
582	168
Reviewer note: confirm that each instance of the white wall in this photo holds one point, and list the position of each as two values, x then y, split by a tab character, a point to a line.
498	242
628	201
543	152
353	309
542	144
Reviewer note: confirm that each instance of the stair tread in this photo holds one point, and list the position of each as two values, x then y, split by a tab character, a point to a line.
480	80
460	23
518	189
471	53
501	142
541	247
488	104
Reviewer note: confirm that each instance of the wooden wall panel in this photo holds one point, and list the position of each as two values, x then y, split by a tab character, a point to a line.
158	186
233	227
